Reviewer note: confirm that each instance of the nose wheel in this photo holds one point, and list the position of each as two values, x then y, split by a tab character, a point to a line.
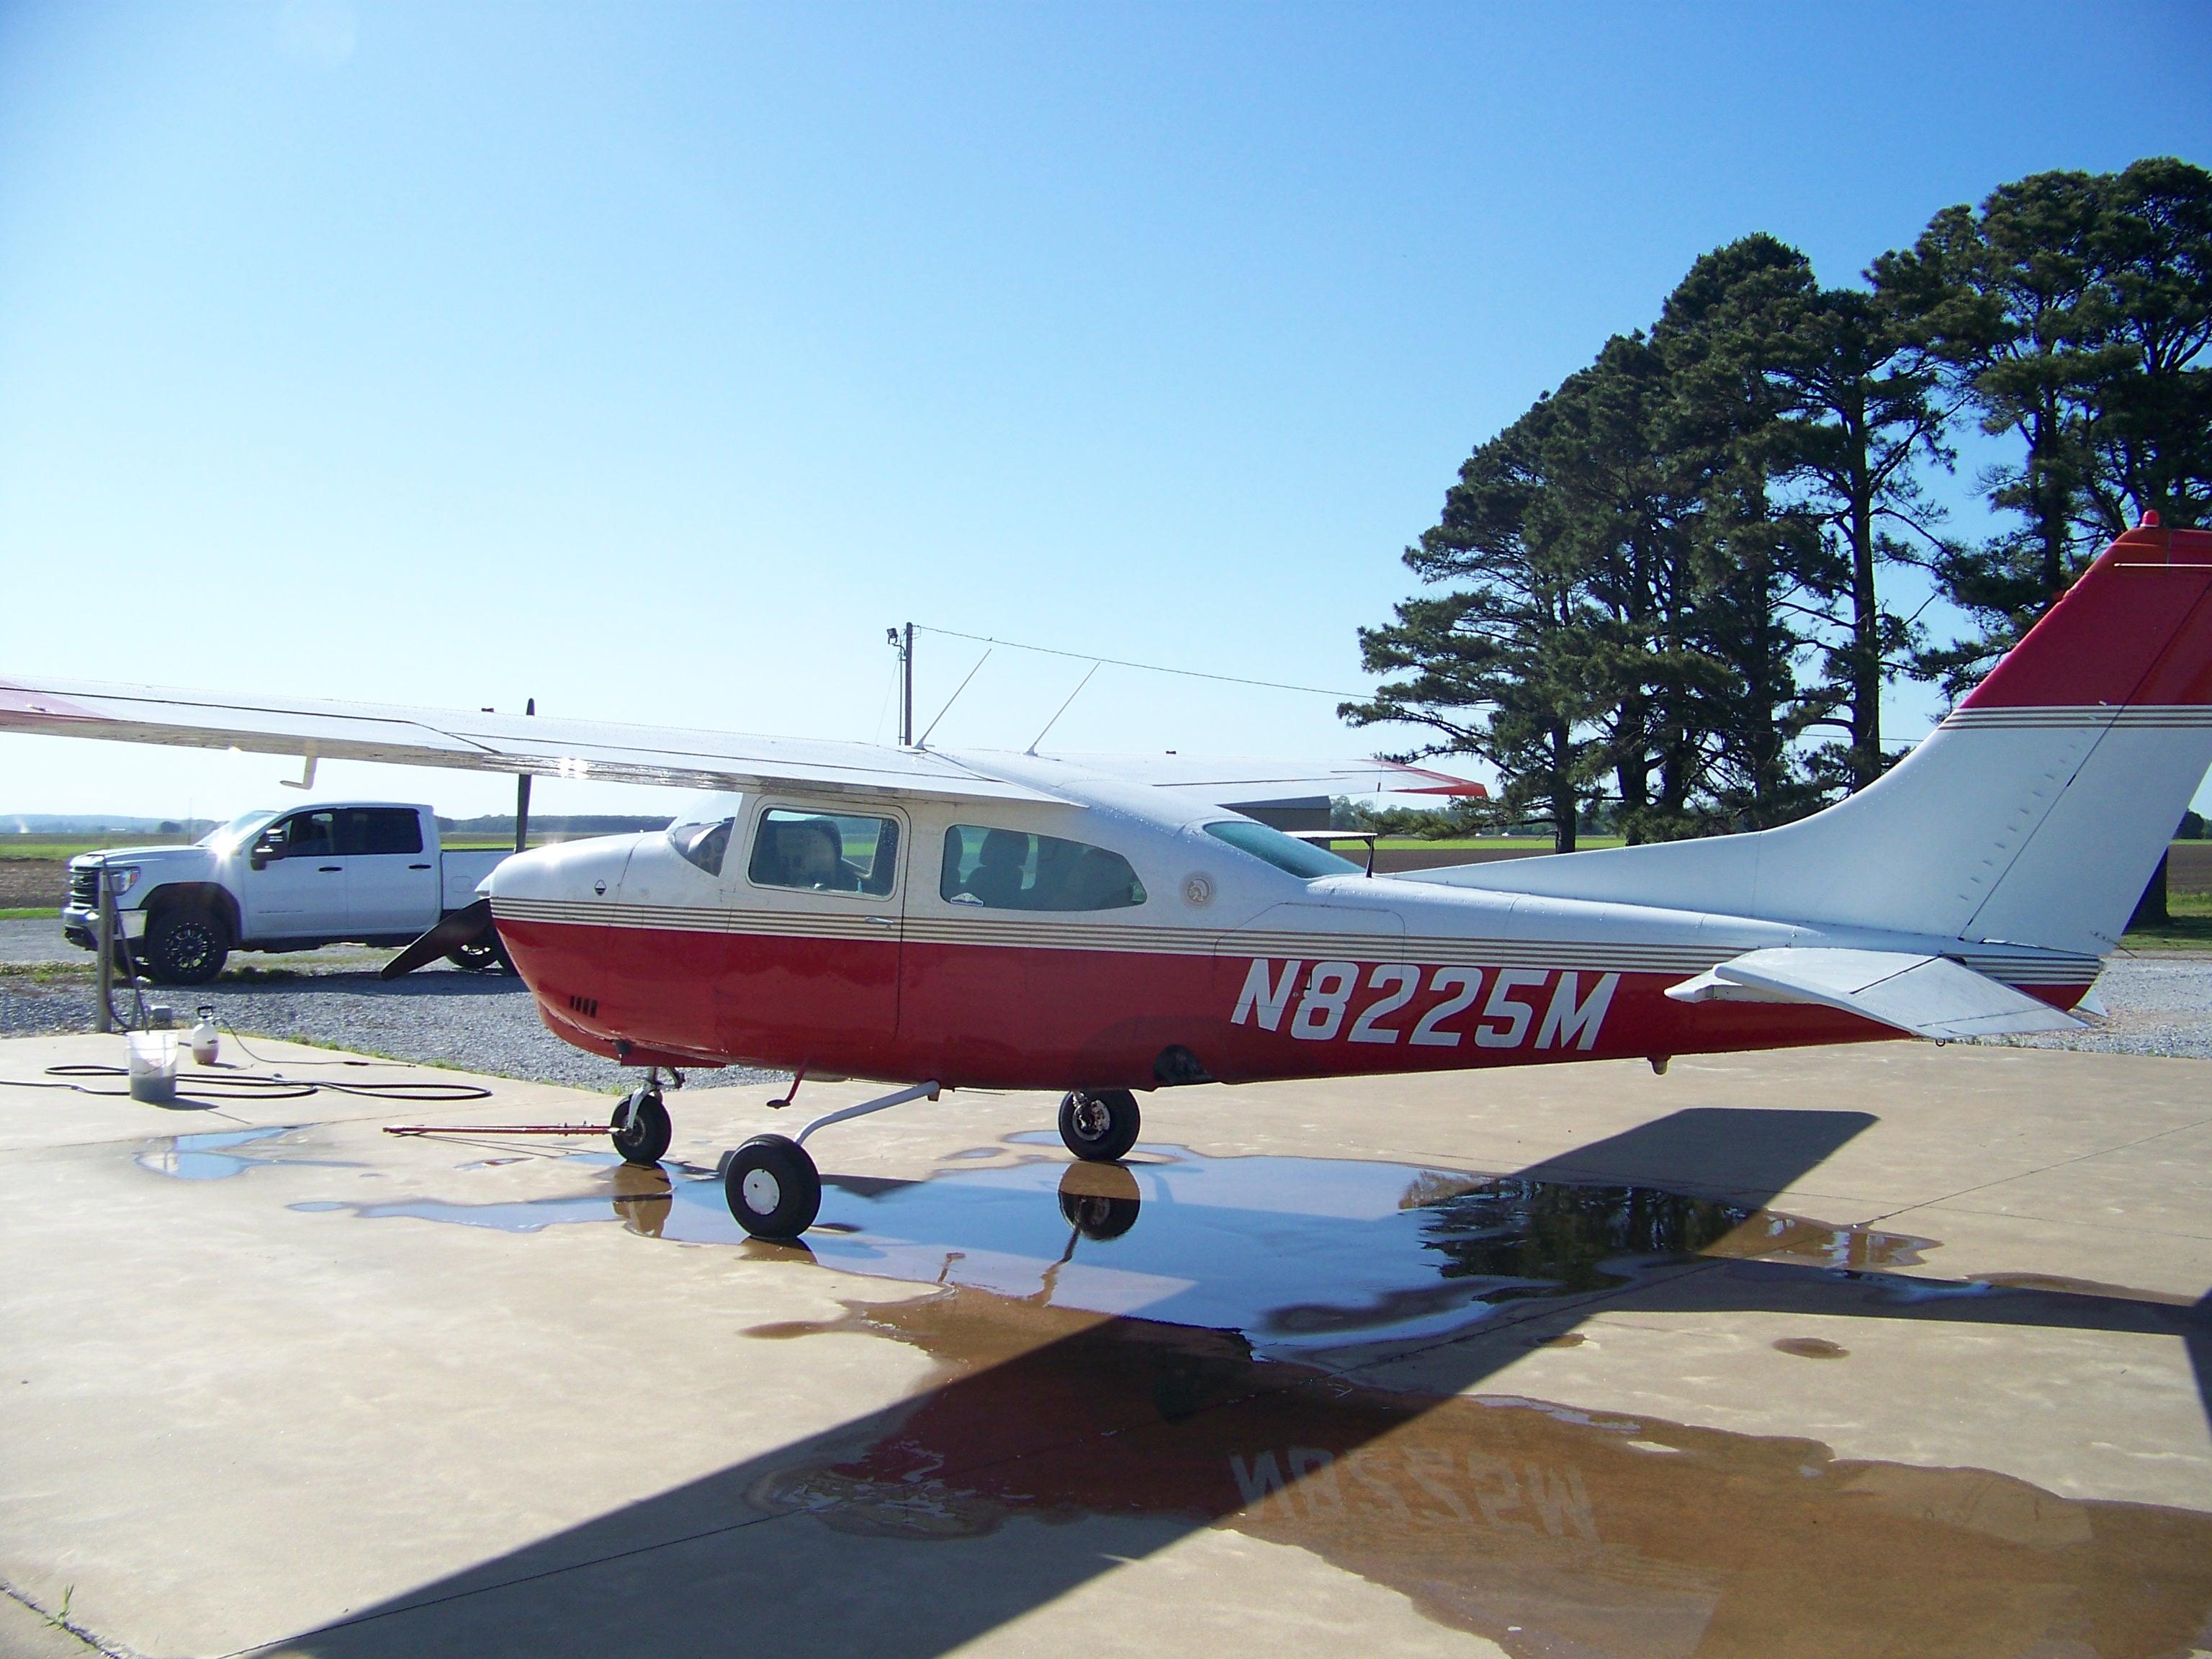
1098	1125
773	1188
641	1127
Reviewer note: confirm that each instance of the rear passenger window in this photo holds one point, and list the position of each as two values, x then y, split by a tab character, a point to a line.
375	829
1012	869
826	852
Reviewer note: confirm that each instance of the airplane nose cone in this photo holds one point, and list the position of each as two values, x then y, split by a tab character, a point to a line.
573	870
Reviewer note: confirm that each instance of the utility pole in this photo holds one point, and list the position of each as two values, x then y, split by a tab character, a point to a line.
522	797
902	641
103	1016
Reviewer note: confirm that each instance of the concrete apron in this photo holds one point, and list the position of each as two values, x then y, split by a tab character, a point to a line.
1821	1351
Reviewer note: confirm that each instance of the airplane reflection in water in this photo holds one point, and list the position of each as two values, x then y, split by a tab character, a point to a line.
1235	1400
1243	1245
1147	1347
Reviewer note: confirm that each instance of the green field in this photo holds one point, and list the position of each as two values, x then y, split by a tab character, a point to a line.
1481	843
2188	929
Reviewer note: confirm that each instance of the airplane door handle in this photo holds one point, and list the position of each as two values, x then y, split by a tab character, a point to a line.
330	869
885	921
418	866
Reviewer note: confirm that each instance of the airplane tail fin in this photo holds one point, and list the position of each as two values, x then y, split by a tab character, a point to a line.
2034	815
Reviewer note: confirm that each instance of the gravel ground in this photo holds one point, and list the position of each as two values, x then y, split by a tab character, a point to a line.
2157	1004
479	1023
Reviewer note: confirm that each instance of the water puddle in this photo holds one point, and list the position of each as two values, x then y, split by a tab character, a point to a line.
1550	1532
223	1153
1296	1254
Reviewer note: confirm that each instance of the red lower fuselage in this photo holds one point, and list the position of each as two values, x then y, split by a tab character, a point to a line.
988	1015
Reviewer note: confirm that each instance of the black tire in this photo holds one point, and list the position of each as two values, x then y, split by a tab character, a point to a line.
646	1142
481	957
186	945
773	1188
1099	1200
1098	1125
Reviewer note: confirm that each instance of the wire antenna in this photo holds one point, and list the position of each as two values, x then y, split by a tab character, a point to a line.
1063	709
922	742
1148	667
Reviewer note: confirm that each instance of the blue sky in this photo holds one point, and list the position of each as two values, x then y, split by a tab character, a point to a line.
651	360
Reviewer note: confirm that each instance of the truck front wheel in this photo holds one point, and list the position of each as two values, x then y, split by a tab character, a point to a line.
185	946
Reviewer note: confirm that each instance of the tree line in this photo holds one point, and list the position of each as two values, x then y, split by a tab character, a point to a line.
1659	601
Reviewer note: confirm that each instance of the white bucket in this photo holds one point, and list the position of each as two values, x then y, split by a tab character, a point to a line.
154	1067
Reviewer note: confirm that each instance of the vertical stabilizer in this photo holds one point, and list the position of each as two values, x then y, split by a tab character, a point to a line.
2034	814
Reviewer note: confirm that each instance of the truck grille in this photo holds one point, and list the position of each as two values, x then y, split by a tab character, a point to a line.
84	887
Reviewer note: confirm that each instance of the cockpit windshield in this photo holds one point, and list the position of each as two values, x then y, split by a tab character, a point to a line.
1287	852
239	828
701	832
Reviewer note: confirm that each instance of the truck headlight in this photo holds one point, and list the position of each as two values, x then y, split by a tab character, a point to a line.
122	878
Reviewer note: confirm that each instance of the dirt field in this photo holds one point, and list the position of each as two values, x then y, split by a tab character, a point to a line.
27	882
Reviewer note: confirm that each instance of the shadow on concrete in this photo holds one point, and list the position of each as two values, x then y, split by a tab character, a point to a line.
1062	1444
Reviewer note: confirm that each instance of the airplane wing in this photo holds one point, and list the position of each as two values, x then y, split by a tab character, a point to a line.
1928	996
1250	781
516	745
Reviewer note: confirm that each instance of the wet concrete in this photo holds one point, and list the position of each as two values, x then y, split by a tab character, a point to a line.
1292	1254
298	1386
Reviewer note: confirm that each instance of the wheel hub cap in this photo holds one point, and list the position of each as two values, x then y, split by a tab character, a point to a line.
762	1191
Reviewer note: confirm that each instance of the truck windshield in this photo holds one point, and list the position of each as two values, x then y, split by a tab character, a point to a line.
237	828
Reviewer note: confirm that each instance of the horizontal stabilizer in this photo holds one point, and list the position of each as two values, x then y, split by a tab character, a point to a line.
1928	996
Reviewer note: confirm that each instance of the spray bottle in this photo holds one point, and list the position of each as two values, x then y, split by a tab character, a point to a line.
204	1039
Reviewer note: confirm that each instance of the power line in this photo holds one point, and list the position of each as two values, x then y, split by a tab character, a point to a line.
1148	667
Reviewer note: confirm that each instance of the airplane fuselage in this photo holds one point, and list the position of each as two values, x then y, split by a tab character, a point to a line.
1226	968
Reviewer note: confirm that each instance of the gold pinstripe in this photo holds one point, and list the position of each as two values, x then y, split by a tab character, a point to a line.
1571	955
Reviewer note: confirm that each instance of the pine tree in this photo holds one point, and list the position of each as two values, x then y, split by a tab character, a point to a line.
1497	663
2072	311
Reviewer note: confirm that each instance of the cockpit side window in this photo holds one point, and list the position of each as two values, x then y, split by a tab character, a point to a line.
1012	870
825	852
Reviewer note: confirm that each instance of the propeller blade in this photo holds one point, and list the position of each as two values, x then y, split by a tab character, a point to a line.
463	926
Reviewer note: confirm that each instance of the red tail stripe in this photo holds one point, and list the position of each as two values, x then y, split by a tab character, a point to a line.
2137	628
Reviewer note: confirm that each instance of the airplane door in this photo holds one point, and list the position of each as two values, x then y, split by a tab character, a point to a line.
299	890
391	885
815	920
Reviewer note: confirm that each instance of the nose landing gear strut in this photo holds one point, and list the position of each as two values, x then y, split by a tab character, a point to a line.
640	1128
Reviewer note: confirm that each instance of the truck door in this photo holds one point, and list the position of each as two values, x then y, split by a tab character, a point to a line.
294	885
392	883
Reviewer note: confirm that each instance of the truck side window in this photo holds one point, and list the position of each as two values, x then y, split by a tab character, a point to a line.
302	836
378	830
1011	869
827	852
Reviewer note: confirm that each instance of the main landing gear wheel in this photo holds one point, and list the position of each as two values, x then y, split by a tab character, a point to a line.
1098	1125
641	1140
773	1186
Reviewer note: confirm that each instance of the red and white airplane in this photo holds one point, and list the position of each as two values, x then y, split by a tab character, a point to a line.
1103	927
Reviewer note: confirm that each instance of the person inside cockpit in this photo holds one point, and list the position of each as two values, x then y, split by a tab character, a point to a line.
812	856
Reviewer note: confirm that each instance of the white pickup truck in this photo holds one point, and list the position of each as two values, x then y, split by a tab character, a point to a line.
368	872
